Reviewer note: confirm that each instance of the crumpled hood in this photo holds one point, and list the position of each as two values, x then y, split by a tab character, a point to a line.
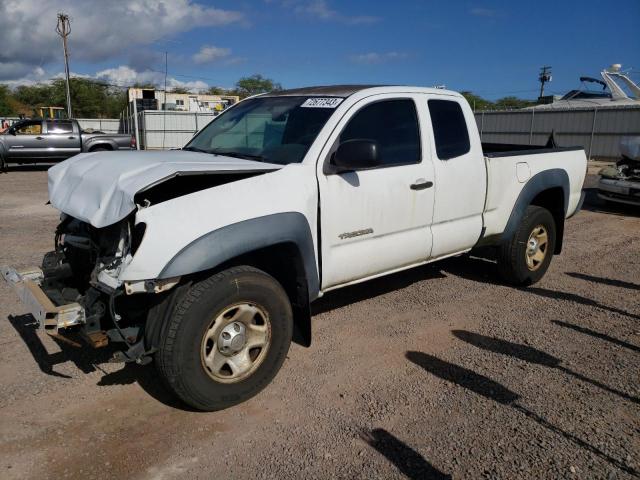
99	188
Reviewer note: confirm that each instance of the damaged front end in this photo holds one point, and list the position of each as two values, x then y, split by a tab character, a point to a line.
621	183
77	287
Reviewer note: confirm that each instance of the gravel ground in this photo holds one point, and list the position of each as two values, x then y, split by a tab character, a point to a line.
438	372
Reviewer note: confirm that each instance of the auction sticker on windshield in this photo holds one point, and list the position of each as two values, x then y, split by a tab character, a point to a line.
322	102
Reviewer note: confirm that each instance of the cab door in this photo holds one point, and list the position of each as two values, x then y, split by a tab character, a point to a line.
461	176
25	142
63	139
377	220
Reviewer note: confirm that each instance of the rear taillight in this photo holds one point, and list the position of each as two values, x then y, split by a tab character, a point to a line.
133	142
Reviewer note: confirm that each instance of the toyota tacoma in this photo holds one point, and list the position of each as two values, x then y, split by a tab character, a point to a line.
206	260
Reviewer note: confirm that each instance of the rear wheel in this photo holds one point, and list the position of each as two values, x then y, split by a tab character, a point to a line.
100	149
526	257
226	339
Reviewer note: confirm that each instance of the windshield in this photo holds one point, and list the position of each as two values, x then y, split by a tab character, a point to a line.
268	129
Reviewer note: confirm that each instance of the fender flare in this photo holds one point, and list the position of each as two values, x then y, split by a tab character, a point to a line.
91	143
223	244
540	182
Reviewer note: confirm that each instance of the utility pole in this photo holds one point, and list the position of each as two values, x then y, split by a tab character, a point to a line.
544	77
164	106
64	29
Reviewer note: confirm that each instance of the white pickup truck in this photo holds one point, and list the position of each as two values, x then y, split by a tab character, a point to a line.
206	259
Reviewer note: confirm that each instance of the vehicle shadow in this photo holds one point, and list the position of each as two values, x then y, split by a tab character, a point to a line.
148	379
497	392
593	203
572	297
373	288
71	349
478	267
531	355
88	360
606	281
485	270
406	459
593	333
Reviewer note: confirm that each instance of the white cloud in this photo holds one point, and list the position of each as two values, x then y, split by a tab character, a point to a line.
371	58
120	76
126	76
100	29
209	54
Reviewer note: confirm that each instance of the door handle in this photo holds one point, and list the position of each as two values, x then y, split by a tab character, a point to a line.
421	184
71	138
39	138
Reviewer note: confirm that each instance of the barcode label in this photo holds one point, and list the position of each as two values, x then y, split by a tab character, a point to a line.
322	102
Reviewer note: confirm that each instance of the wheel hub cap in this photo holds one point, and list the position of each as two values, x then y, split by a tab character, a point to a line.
232	339
536	247
236	342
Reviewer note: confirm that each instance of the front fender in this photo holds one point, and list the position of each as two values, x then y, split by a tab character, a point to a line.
223	244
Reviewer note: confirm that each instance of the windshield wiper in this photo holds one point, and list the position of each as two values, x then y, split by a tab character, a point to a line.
245	156
195	149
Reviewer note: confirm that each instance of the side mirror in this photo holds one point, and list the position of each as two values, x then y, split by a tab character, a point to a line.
357	154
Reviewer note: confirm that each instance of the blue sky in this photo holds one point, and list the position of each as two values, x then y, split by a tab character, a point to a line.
493	48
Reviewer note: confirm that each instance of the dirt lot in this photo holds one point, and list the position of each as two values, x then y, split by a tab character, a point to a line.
438	372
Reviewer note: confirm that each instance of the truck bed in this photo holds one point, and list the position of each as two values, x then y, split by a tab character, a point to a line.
510	167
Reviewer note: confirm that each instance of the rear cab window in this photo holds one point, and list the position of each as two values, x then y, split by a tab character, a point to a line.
59	127
449	129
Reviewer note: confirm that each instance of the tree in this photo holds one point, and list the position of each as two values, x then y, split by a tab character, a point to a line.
178	90
476	101
89	99
217	91
513	103
5	101
255	84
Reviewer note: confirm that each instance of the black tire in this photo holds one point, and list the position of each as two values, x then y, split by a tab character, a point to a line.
512	256
100	149
179	357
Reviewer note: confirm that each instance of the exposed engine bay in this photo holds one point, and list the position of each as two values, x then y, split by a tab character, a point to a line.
621	183
625	169
83	270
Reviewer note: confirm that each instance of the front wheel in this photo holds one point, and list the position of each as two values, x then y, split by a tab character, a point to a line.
526	257
227	338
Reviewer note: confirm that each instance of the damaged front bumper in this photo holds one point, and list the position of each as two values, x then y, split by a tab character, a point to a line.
621	191
27	285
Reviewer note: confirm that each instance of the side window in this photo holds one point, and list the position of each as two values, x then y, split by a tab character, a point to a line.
449	129
59	126
393	124
29	128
